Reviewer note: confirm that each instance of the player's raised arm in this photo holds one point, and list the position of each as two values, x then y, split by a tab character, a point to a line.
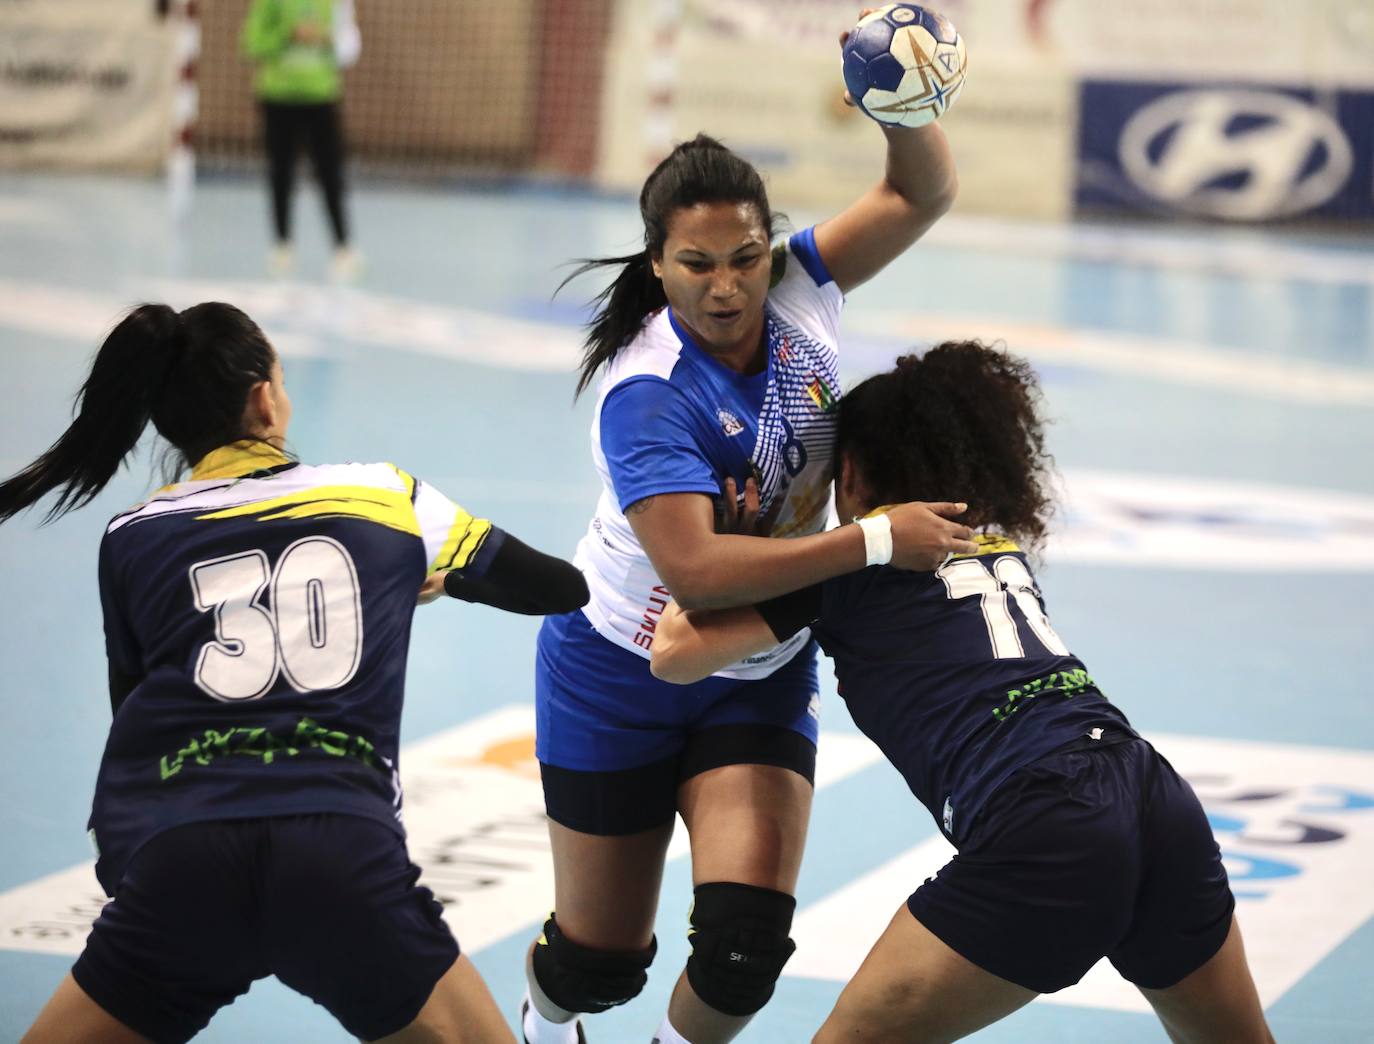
903	66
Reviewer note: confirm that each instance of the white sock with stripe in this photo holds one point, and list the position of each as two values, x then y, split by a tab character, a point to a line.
539	1030
667	1035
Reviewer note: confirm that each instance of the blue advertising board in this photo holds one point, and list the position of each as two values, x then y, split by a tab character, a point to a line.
1225	151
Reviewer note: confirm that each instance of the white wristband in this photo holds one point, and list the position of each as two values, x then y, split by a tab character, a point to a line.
877	539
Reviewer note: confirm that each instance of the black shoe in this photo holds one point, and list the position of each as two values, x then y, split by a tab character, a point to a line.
525	1007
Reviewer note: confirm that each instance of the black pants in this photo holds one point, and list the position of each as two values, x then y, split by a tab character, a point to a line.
285	126
326	902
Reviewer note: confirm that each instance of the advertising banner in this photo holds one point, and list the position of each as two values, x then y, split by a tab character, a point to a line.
1320	43
766	79
85	84
1230	152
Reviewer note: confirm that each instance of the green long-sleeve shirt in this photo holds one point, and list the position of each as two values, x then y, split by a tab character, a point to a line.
291	71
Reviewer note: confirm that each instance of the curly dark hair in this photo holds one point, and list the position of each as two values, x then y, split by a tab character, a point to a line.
961	422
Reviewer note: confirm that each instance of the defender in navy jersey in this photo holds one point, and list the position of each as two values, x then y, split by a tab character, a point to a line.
1075	839
257	620
717	362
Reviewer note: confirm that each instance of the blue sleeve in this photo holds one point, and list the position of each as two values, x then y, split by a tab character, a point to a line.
649	439
803	244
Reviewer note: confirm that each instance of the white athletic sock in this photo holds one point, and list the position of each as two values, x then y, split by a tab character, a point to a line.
539	1030
667	1035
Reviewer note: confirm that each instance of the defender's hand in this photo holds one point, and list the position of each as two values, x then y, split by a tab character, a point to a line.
432	588
730	518
924	535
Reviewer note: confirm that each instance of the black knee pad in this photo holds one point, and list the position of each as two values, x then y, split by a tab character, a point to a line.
577	978
739	944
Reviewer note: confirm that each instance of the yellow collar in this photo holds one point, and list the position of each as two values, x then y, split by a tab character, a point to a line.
238	459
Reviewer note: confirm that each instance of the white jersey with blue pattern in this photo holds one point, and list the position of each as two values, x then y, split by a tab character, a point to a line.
671	419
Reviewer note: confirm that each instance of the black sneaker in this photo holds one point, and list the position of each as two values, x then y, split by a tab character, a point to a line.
524	1009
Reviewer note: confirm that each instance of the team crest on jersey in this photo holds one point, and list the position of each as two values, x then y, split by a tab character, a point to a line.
729	423
821	393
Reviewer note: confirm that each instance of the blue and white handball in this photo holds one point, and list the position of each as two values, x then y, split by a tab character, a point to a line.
904	65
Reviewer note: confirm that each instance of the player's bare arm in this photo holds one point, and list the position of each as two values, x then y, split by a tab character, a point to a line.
693	644
709	570
917	188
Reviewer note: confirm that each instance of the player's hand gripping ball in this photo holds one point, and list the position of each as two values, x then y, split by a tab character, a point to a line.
904	65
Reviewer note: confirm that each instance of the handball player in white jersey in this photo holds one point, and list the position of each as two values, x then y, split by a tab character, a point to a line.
718	371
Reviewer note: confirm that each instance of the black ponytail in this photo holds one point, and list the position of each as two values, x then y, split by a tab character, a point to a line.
634	293
112	409
698	171
189	373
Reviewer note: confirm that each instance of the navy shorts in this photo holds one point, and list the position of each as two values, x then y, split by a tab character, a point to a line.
326	903
614	742
1089	852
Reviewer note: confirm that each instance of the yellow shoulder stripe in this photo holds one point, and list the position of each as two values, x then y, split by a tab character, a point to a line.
407	479
465	536
386	507
991	544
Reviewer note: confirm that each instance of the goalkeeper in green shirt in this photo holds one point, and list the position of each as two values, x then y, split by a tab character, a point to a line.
299	47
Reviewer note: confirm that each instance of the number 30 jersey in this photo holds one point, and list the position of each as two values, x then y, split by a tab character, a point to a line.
259	616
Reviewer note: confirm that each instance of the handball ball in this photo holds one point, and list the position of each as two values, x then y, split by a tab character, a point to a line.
904	65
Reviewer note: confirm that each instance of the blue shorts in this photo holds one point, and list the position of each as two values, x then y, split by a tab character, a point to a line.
1089	852
327	903
614	742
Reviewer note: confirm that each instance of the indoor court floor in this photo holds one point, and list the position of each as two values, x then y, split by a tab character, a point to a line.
1213	399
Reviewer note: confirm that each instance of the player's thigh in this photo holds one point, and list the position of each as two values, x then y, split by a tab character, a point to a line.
323	138
281	135
71	1017
346	923
747	824
747	779
606	886
1217	1002
181	938
459	1011
912	987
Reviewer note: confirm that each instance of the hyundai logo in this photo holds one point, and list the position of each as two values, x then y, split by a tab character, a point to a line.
1242	155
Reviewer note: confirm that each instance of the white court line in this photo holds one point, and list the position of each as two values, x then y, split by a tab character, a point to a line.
1247	253
305	319
1157	359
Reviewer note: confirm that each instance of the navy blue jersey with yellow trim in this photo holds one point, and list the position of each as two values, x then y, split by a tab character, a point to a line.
957	675
261	614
